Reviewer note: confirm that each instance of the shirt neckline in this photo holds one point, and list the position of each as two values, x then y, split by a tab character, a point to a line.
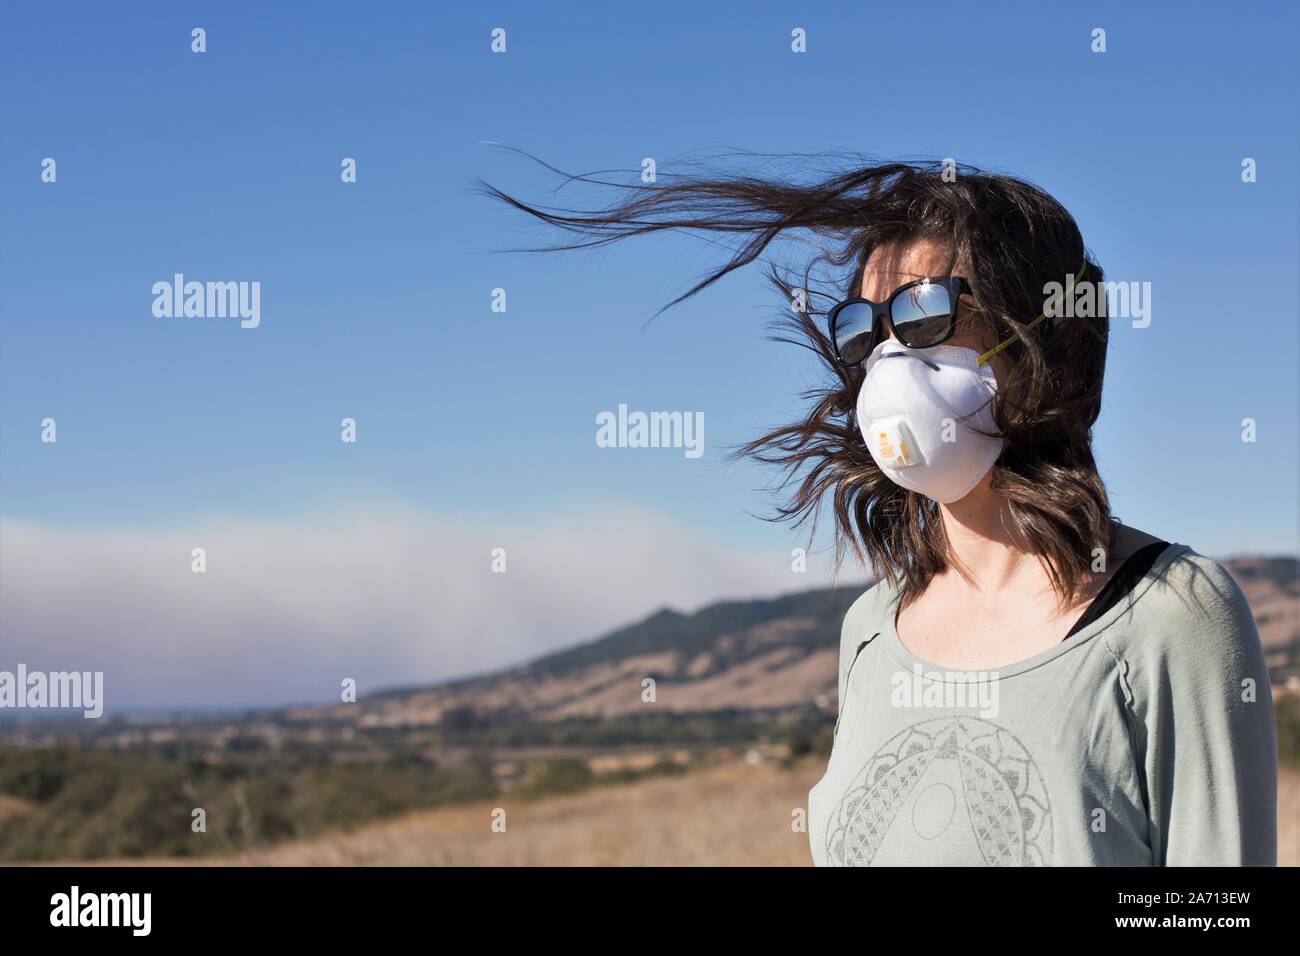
950	675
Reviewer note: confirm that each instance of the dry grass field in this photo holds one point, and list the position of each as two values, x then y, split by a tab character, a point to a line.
1288	818
734	814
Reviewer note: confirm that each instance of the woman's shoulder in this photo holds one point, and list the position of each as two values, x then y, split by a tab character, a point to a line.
1188	615
869	613
870	600
1189	589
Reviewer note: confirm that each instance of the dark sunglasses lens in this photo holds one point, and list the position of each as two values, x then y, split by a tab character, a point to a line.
853	332
922	315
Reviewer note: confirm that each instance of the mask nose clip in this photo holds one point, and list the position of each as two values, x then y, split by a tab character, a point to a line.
920	358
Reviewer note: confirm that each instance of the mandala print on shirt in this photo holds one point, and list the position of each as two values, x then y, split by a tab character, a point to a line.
1001	792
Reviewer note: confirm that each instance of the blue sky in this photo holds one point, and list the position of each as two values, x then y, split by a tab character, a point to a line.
376	295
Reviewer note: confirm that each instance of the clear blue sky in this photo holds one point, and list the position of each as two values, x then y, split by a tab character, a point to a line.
376	295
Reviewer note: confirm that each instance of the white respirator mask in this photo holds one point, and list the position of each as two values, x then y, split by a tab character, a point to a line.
922	413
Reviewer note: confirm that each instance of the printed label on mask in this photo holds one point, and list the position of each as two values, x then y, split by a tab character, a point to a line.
895	447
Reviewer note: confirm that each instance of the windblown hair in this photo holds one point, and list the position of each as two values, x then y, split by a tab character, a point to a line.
1008	238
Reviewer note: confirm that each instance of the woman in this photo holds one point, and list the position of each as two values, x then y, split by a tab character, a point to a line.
1029	682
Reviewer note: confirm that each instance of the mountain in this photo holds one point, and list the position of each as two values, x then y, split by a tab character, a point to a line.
760	654
770	654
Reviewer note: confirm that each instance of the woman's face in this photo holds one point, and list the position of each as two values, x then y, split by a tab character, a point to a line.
892	266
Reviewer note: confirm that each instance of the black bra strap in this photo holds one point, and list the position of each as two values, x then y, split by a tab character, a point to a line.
1133	570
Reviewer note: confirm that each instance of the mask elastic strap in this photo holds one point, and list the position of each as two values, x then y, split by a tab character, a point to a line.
983	359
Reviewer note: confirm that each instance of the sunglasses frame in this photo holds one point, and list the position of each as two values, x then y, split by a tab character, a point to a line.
878	309
955	285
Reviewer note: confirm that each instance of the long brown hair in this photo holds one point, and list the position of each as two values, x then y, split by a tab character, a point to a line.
1009	237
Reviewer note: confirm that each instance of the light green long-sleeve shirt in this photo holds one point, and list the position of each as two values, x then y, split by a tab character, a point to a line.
1144	739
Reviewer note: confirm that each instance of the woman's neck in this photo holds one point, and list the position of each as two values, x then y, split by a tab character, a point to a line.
984	552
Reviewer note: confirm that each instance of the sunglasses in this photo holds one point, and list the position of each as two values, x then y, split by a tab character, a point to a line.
921	315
